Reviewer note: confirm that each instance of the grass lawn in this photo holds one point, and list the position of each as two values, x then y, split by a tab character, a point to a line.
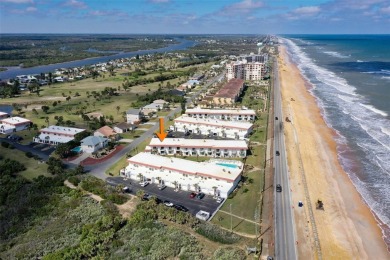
132	135
33	167
243	205
238	225
122	163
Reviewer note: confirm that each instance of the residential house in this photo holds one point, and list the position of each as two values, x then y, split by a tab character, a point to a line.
3	115
134	116
92	144
107	132
124	127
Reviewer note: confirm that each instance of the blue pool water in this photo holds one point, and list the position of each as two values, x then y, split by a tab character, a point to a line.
77	149
227	165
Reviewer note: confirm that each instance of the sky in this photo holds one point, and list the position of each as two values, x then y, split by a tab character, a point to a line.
196	16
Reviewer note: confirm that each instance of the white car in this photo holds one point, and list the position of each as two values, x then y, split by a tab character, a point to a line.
144	183
168	203
161	186
219	199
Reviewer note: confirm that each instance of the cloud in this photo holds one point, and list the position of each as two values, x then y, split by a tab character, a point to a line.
385	10
307	10
110	14
31	9
17	1
243	7
75	4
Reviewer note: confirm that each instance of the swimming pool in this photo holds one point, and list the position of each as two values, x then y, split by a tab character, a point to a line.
77	149
230	165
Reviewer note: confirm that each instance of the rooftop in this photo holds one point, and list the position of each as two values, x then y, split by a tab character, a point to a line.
208	168
213	122
181	142
134	111
93	140
199	110
106	131
124	125
62	130
230	89
15	120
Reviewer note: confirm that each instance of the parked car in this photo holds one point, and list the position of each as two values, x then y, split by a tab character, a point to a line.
180	207
219	200
277	153
200	195
161	186
276	118
126	189
146	196
144	183
192	195
168	203
278	188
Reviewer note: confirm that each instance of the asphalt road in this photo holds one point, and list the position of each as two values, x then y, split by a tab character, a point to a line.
284	223
179	198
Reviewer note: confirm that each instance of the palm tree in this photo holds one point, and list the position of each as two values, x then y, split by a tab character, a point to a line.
117	109
196	186
140	176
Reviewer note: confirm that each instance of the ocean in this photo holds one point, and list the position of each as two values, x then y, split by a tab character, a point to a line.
350	75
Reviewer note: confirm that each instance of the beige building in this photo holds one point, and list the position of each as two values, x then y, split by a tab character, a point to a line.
229	93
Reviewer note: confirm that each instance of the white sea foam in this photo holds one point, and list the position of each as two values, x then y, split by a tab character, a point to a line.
363	124
336	54
384	77
373	109
359	61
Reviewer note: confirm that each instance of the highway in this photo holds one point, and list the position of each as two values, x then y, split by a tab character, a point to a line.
284	223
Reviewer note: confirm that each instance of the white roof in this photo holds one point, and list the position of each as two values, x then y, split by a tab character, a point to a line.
213	122
15	120
193	143
3	113
207	169
62	130
199	110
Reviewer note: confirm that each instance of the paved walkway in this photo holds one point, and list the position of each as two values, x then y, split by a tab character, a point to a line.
82	157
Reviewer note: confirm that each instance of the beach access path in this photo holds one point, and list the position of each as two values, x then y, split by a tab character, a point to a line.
346	227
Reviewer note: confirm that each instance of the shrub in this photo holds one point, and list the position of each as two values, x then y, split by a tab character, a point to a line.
74	180
229	253
216	234
29	154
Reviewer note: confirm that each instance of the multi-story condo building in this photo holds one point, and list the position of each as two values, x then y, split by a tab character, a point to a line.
251	71
222	114
212	127
214	177
57	134
262	58
198	147
13	124
229	93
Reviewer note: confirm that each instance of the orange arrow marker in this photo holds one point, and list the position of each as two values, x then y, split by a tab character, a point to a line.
162	134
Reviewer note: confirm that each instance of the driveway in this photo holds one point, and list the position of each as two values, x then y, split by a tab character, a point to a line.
179	198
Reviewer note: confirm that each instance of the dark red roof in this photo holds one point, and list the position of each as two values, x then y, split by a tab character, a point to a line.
230	89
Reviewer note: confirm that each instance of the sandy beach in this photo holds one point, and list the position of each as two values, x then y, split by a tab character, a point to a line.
346	227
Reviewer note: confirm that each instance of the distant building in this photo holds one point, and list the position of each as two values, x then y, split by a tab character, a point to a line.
57	134
93	144
134	116
214	177
250	67
197	77
196	147
212	127
223	114
229	93
13	124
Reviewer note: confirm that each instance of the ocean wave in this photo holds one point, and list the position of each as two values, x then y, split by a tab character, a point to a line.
381	72
373	109
336	54
366	129
385	77
359	61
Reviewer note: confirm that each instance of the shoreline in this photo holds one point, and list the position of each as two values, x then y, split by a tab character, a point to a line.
346	227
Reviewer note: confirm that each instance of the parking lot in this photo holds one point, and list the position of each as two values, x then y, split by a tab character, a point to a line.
208	203
195	136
